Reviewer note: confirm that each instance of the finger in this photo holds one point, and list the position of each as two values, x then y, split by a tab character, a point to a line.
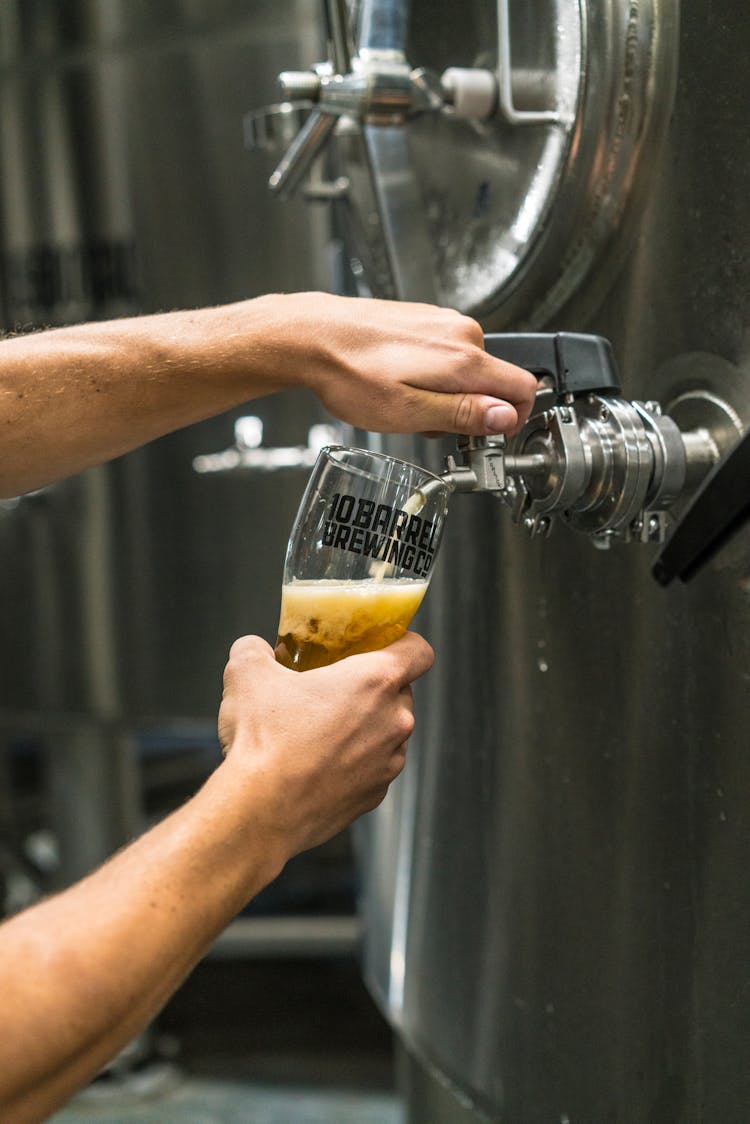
398	759
413	655
399	754
250	647
393	667
479	414
246	652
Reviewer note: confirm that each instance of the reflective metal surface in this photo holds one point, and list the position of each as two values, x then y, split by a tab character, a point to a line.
514	218
559	907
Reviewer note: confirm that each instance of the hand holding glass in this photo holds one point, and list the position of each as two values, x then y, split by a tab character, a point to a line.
360	556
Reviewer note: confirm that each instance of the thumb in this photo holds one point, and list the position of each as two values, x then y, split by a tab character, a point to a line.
477	415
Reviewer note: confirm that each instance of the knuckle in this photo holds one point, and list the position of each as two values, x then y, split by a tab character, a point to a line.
474	331
531	386
467	326
243	652
386	674
239	648
376	797
404	725
463	413
427	655
397	765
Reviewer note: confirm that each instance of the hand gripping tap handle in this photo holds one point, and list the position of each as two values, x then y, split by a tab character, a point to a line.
574	363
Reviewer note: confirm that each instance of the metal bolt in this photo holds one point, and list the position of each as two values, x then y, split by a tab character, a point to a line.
604	413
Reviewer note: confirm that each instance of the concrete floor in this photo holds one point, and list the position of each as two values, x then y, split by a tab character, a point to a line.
197	1101
259	1042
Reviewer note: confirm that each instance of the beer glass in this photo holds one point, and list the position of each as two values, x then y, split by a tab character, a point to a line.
360	556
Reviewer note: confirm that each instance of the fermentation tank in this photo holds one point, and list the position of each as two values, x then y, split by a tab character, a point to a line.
556	894
555	891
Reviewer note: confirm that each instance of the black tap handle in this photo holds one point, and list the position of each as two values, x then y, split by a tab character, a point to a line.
720	507
577	364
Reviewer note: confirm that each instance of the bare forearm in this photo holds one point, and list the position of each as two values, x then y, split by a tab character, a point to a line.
306	754
78	396
83	972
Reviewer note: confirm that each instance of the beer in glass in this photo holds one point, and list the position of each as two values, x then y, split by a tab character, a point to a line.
360	556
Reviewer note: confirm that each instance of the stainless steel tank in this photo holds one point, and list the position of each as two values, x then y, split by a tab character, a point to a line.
556	891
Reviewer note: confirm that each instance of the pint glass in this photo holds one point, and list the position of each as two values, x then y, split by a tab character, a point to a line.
360	556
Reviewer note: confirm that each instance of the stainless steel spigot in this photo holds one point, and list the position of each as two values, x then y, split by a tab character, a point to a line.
607	467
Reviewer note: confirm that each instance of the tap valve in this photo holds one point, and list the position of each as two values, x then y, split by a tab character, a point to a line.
605	466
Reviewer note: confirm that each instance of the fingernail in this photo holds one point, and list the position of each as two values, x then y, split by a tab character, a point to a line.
499	418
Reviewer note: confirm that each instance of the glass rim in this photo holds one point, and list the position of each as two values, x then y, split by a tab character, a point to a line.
328	450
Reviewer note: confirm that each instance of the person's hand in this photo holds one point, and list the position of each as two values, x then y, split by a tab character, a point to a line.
317	749
397	367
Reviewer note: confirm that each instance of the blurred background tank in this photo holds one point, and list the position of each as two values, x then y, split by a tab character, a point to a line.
125	188
556	899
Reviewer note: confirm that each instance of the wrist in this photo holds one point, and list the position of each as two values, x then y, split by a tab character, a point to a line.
237	808
300	339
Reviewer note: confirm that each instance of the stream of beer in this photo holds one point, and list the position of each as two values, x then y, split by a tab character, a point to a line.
381	570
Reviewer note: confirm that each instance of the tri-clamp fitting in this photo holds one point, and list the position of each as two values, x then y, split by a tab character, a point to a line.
604	466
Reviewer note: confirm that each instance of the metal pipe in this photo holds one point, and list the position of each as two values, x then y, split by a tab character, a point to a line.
383	25
527	464
339	40
701	454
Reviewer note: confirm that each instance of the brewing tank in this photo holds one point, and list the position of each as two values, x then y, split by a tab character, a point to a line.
555	891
